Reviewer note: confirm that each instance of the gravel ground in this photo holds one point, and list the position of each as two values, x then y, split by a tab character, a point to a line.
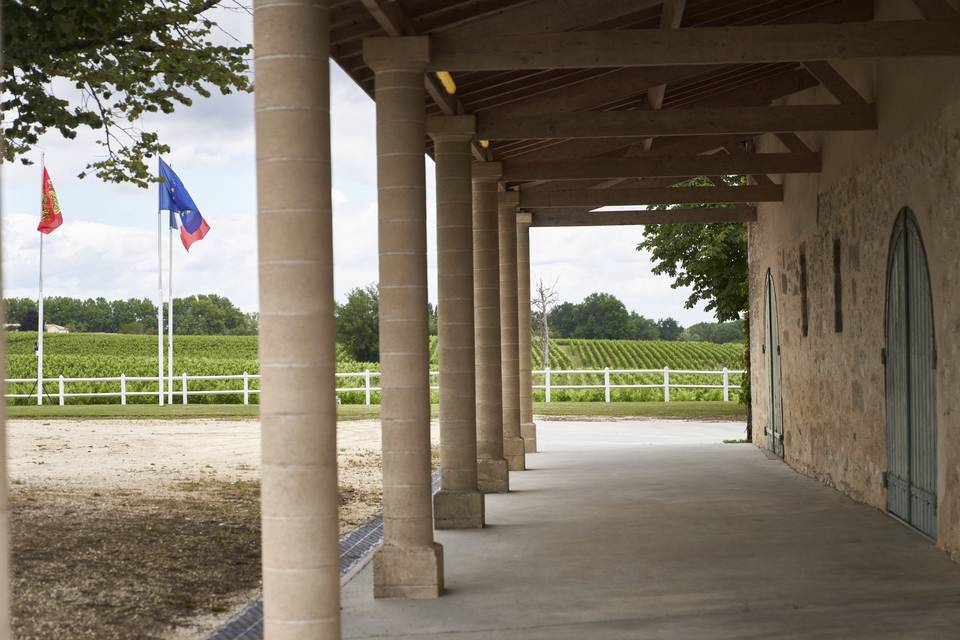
149	528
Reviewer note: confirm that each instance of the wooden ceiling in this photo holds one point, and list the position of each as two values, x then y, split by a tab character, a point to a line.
647	110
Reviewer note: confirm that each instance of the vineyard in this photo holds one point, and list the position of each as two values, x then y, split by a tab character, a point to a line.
109	355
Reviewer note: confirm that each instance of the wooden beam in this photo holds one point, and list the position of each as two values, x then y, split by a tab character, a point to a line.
546	16
937	9
660	166
671	195
835	83
697	46
794	143
678	122
682	215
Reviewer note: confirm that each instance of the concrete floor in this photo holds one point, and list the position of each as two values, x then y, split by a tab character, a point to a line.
612	536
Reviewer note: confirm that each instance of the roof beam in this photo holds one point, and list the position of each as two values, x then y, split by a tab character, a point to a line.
682	215
697	46
937	9
678	122
655	166
835	83
645	196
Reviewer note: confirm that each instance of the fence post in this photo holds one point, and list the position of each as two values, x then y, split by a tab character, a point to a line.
666	384
184	389
546	384
246	388
123	388
61	389
366	386
606	384
726	385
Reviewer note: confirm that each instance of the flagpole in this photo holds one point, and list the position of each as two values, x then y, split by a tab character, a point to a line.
43	164
159	308
170	324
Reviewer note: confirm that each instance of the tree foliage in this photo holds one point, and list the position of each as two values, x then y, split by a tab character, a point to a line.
710	259
102	64
358	324
716	332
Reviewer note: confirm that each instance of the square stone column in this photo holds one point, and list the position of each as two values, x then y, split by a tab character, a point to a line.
301	556
459	503
513	447
410	563
528	430
492	466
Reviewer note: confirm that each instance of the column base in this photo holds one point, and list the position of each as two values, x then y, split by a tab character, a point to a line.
411	573
514	452
458	509
492	475
529	432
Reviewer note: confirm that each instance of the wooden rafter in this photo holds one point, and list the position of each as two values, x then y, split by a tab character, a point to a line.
698	46
681	215
646	196
661	166
679	122
835	83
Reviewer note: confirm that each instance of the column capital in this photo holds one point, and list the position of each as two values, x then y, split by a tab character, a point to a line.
509	199
525	218
453	128
409	53
487	172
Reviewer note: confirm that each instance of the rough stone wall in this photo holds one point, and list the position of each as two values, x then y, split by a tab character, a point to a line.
833	383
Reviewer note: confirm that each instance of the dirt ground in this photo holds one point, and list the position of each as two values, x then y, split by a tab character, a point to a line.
149	528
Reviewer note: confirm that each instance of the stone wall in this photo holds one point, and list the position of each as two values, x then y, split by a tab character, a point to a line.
833	382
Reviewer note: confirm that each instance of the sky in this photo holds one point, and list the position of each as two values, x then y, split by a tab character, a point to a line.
107	245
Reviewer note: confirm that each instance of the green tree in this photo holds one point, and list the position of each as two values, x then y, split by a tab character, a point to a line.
716	332
29	320
669	329
101	65
15	308
563	320
210	314
358	323
642	328
602	315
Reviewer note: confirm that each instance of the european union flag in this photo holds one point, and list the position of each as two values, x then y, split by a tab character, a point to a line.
175	198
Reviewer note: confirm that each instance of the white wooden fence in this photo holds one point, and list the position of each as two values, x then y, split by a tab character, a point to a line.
368	387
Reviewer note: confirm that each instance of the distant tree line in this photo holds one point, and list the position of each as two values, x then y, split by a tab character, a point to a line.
604	316
195	315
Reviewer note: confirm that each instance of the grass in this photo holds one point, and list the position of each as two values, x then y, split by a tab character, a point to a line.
701	409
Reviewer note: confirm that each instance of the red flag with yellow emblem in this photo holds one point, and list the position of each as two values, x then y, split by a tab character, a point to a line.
50	214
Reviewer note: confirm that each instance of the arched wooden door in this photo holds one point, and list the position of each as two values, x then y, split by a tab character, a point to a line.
910	360
771	350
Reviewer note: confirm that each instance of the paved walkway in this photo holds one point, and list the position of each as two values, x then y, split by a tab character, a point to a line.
610	535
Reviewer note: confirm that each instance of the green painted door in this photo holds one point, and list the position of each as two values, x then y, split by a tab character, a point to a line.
771	350
910	361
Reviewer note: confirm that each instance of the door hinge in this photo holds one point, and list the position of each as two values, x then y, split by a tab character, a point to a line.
778	349
883	480
935	357
883	355
763	348
766	431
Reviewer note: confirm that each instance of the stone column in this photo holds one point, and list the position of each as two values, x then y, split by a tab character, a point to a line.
410	563
458	504
492	467
301	557
513	447
528	430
